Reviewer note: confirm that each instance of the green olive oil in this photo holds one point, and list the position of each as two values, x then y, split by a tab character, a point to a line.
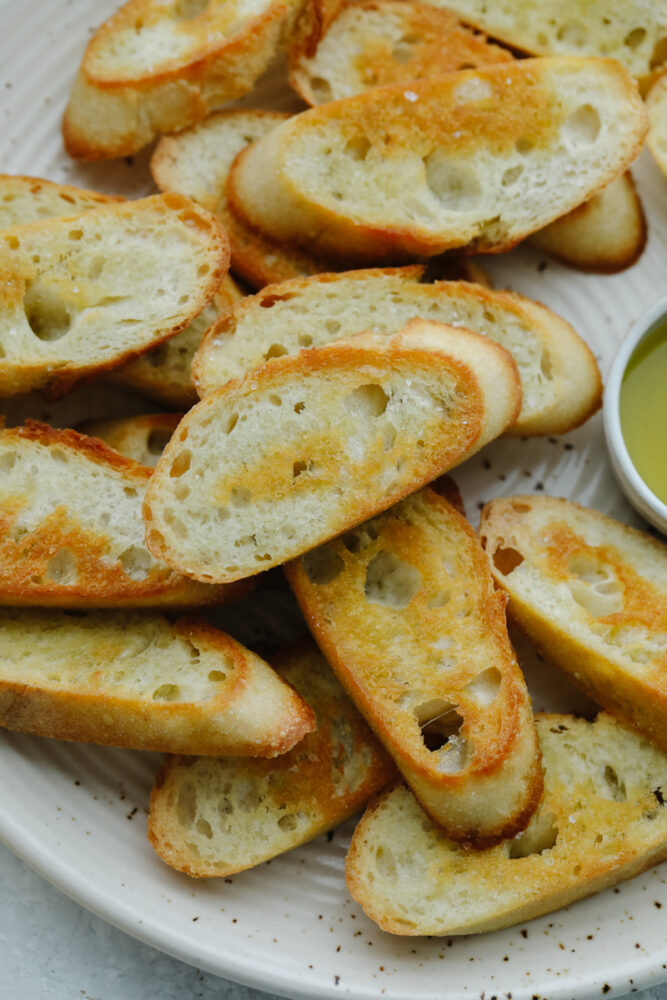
643	409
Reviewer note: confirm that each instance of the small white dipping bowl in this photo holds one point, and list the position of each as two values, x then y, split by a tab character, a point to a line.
634	487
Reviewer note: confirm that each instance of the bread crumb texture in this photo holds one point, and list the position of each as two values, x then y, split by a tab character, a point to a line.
216	816
602	819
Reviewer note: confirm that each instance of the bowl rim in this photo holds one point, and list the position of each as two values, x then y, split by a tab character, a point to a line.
644	499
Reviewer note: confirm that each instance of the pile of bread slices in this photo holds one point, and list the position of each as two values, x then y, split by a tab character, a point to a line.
323	411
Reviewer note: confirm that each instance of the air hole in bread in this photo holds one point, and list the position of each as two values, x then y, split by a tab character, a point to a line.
96	268
456	186
539	836
573	33
302	466
240	496
659	54
155	537
181	491
332	326
391	581
322	565
7	461
186	805
506	559
13	242
404	49
136	562
511	175
47	314
204	827
223	513
275	351
185	10
613	788
524	146
634	38
440	726
203	269
321	89
299	407
167	692
440	599
75	234
175	523
217	676
268	301
485	686
288	822
385	862
357	147
130	492
181	464
583	126
61	567
232	421
275	400
367	400
305	340
157	441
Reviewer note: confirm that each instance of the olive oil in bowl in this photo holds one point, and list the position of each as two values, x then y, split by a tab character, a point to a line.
643	409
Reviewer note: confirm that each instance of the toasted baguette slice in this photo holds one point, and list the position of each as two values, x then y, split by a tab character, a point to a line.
560	381
656	140
273	464
592	595
28	199
84	294
72	534
142	438
377	42
164	373
631	31
604	235
135	680
601	820
154	68
405	611
479	152
220	815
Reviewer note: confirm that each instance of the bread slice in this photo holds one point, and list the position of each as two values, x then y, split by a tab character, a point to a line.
142	438
560	381
604	235
164	373
378	42
592	595
220	815
404	609
84	294
196	162
601	820
154	68
28	199
72	534
132	679
656	140
631	31
478	151
272	465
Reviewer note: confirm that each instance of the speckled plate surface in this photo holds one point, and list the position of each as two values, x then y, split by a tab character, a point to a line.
77	813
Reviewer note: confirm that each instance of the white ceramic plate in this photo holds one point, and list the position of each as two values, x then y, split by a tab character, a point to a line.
77	813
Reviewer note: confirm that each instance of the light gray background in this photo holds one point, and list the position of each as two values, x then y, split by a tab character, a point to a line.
53	949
